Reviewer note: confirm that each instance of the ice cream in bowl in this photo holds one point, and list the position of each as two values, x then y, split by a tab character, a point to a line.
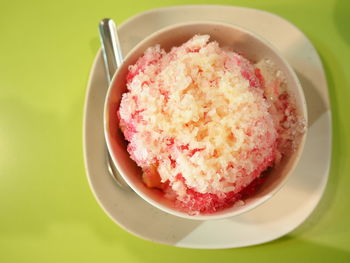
205	120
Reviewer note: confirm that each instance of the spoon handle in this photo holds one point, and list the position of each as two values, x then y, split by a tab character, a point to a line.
113	58
111	48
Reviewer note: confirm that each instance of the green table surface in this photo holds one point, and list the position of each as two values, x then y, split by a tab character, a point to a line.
47	211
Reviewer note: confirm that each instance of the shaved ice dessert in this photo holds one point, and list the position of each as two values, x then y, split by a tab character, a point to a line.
205	124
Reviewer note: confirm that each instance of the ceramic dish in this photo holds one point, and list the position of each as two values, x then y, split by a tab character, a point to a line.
242	41
282	213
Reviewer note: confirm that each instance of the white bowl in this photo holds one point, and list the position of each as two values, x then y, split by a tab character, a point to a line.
241	40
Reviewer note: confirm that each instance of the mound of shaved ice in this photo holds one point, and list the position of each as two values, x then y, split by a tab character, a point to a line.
205	123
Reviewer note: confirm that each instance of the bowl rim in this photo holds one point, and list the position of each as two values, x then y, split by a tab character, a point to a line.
245	208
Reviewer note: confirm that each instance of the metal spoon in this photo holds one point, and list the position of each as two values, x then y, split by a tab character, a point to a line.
113	58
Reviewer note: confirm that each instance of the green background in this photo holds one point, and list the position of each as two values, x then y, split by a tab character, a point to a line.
47	211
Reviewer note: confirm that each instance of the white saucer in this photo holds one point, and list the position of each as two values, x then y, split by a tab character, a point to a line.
278	216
